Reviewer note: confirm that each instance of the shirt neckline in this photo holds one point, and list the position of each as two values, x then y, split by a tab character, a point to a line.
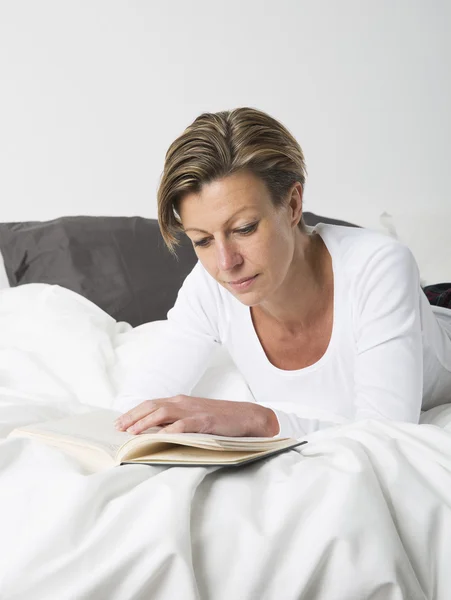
321	229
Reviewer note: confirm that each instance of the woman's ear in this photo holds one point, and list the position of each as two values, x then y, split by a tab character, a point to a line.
295	203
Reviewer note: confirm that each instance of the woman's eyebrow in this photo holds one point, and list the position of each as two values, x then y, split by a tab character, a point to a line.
226	223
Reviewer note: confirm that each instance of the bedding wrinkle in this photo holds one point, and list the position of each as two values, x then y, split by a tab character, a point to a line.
362	511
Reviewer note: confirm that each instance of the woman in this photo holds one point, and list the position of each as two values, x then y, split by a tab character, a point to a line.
331	317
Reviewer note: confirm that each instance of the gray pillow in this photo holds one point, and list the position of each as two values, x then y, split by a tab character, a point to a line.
311	219
119	263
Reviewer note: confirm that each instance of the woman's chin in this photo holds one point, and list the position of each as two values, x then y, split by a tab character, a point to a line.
248	294
250	299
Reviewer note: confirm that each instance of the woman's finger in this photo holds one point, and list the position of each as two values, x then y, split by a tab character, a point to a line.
162	415
136	413
186	425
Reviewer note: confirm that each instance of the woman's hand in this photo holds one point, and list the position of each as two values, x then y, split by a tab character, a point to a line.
188	414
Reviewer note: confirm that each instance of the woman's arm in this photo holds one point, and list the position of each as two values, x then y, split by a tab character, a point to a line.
389	363
156	390
185	345
388	376
286	423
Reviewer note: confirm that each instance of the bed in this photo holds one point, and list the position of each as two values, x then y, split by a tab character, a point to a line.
363	511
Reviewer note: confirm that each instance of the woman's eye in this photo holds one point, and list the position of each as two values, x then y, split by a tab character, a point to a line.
201	243
244	231
248	229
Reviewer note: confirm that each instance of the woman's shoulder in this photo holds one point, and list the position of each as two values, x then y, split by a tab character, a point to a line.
358	245
351	236
363	255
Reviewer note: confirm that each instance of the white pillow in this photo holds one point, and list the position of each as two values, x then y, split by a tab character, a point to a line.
4	283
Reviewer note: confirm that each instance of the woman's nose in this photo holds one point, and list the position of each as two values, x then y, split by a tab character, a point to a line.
227	256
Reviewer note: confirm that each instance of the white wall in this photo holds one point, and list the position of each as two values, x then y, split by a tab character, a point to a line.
94	91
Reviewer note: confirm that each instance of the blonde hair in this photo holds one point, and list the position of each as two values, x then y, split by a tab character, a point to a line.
219	144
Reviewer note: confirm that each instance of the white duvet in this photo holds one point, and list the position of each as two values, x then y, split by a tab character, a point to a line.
361	512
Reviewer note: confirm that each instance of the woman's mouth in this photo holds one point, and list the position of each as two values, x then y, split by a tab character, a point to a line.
241	284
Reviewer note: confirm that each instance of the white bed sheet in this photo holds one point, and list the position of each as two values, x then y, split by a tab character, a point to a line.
363	511
4	283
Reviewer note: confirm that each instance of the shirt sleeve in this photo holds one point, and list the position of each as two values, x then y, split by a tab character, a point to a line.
388	335
174	363
388	375
291	425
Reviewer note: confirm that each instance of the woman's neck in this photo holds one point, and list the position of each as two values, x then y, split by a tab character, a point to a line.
307	293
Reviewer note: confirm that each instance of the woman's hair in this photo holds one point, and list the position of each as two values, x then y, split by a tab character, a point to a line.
219	144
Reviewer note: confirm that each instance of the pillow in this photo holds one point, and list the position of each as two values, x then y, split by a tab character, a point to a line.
119	263
311	219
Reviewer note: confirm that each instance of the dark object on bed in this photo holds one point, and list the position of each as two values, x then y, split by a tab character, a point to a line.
119	263
312	219
439	294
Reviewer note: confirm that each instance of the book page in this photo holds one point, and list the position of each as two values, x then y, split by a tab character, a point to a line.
168	453
94	429
176	455
144	443
184	443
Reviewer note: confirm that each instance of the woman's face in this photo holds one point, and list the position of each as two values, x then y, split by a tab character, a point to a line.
238	233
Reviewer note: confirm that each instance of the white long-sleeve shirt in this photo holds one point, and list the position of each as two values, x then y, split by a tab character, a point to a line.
389	354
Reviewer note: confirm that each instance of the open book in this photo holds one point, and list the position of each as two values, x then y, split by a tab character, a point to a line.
93	439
